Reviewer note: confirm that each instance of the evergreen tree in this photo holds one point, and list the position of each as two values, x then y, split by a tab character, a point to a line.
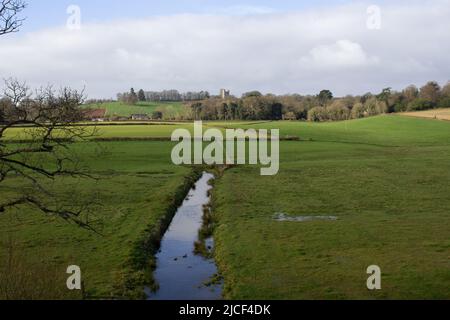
141	95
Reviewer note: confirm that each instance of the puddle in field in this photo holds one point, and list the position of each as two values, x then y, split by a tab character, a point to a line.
282	217
180	273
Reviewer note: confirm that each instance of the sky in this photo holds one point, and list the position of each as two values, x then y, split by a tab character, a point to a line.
277	46
46	13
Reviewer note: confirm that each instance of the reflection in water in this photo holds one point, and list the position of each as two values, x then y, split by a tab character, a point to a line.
180	273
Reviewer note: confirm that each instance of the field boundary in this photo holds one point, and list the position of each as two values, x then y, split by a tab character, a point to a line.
135	139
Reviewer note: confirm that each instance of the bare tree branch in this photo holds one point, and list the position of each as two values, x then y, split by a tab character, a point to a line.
46	125
48	117
9	15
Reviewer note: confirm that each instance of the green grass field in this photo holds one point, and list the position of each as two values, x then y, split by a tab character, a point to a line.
386	179
154	130
136	185
122	110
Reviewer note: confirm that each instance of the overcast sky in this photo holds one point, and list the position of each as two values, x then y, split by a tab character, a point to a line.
273	46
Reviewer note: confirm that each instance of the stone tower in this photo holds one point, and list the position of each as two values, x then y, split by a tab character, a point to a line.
224	93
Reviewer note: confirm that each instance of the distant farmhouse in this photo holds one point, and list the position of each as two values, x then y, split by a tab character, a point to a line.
95	115
224	93
140	117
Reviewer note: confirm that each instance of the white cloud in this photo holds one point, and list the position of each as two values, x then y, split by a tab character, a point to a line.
275	52
339	55
243	10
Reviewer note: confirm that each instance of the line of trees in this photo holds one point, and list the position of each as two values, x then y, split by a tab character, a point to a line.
317	108
132	97
250	107
321	107
98	101
174	95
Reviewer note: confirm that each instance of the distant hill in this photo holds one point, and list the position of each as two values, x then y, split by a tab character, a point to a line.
123	110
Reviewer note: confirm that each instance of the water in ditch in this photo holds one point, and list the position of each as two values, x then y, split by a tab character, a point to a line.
180	273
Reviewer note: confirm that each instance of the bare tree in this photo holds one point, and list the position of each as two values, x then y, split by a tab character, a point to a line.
410	93
46	122
10	21
36	133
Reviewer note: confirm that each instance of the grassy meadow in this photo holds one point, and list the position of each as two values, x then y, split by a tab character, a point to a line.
105	131
135	187
385	178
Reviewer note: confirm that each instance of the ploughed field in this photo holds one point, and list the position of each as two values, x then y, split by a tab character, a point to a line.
385	179
439	114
